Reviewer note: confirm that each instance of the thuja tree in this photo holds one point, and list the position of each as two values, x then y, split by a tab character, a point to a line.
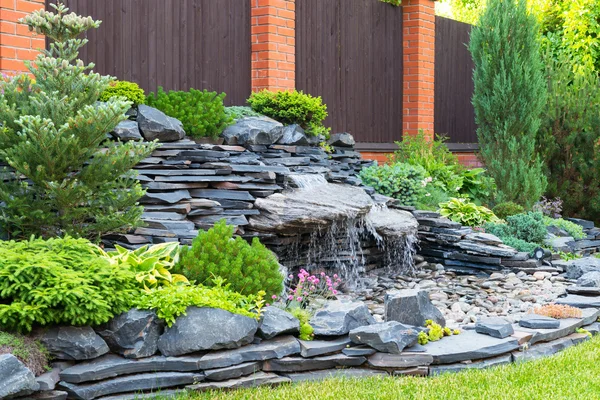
509	97
53	134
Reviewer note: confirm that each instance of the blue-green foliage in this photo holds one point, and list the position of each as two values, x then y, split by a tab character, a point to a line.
401	181
574	230
524	231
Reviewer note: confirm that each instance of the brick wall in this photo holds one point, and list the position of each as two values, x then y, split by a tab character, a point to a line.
17	44
273	44
419	66
469	160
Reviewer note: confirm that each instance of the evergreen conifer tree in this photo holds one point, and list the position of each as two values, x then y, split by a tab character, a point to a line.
509	97
65	177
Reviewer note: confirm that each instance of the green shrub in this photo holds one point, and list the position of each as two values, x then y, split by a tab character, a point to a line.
466	213
525	232
401	181
152	264
130	90
54	134
507	209
248	269
169	302
480	187
60	281
202	113
432	198
506	55
30	352
303	315
574	230
292	107
238	112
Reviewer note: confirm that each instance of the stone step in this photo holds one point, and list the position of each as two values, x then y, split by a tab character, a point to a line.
458	367
549	348
255	380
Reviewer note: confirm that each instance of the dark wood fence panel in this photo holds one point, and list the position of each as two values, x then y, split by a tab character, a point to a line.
350	53
176	44
454	114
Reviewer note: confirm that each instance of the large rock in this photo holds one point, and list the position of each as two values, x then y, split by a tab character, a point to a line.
311	208
16	377
469	345
576	268
253	130
535	321
388	337
133	334
156	125
341	140
293	135
73	343
127	130
207	329
133	383
276	321
589	279
311	348
338	318
392	222
495	327
411	307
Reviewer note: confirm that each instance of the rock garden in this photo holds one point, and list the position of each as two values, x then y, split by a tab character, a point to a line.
163	244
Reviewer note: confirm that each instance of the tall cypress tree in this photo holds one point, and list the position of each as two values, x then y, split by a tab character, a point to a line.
509	97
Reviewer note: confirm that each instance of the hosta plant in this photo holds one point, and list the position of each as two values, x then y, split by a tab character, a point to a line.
466	213
152	264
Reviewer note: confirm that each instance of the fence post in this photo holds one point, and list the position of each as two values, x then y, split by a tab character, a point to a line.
16	42
419	66
273	44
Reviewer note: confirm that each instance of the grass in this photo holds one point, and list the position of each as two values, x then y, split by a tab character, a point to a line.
572	374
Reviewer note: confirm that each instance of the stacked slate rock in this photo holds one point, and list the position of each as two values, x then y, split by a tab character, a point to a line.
560	240
191	185
461	249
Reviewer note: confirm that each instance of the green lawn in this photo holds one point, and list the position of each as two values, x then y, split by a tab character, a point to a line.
572	374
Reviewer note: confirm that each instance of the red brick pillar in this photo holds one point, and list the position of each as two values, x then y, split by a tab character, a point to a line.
273	44
419	63
16	42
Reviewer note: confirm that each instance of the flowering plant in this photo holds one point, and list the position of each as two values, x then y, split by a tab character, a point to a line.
309	288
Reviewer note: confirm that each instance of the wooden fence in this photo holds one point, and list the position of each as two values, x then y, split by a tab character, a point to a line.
454	114
176	44
350	53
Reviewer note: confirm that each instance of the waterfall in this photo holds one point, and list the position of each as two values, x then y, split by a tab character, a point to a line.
306	181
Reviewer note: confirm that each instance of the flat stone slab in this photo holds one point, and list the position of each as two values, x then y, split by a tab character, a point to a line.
578	301
469	345
547	349
584	291
403	360
312	348
364	351
160	394
258	379
334	373
235	371
279	347
495	327
534	321
453	368
567	327
112	365
132	383
47	395
297	364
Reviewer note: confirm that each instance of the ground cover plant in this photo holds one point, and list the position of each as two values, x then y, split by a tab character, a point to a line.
571	374
246	268
54	134
525	232
292	107
29	351
201	112
508	65
129	90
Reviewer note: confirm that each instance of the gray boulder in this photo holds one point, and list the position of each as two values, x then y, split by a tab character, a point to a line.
392	223
293	135
388	337
253	130
73	343
338	318
576	268
535	321
342	140
127	130
133	334
156	125
207	329
16	377
494	327
411	307
589	279
276	321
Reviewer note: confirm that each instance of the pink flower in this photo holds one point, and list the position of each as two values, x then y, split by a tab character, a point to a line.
267	304
335	292
290	297
299	299
322	273
291	276
330	288
335	276
274	296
